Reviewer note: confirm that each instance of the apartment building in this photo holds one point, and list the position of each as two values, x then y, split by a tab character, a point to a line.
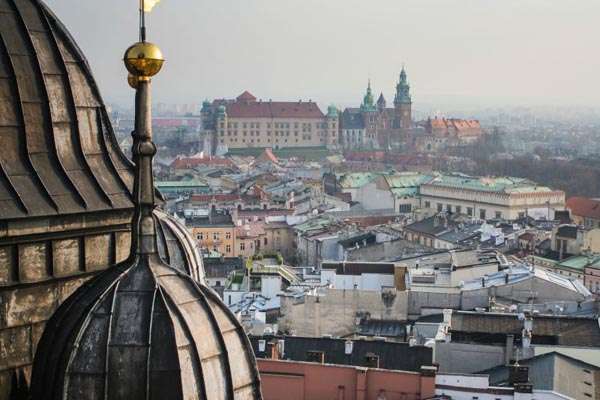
491	197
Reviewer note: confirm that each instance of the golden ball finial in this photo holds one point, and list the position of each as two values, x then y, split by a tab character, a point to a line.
132	80
143	59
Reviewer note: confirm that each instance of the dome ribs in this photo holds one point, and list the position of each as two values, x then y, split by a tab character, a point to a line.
16	154
64	116
199	333
38	116
61	154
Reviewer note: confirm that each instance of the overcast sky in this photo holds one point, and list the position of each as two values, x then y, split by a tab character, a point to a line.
488	51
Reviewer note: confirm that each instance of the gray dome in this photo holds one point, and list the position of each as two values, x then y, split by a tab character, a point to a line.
177	247
144	331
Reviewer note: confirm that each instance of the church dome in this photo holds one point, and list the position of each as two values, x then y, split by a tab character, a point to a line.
177	247
144	328
59	154
144	331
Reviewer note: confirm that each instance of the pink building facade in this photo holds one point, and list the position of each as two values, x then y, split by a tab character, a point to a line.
294	380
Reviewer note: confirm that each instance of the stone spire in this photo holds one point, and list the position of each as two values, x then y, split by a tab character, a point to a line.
381	103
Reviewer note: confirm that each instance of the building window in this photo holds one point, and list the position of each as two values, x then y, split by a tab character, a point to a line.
427	204
228	249
449	207
215	235
227	235
265	241
200	236
440	207
498	215
404	208
458	209
470	211
482	213
242	246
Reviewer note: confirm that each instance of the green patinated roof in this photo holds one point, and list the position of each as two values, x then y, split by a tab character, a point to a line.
404	192
332	111
407	179
313	224
173	184
357	179
579	262
490	184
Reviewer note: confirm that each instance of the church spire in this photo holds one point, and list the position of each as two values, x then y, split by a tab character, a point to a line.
143	60
368	103
402	90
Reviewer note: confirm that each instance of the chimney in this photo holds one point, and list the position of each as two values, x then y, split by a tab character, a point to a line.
518	377
509	349
272	350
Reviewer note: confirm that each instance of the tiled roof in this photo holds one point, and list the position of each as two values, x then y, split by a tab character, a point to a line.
273	109
357	180
489	184
352	119
584	207
215	197
191	162
246	96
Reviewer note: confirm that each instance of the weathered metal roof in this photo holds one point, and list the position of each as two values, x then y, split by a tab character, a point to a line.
177	247
142	330
59	154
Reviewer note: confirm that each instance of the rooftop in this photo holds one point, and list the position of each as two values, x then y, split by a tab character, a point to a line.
506	185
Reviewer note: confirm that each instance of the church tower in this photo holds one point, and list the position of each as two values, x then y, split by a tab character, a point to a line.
403	102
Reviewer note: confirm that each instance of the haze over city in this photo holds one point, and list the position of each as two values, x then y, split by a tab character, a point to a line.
299	200
459	52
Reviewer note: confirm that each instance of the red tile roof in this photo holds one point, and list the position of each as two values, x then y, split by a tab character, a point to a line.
273	109
191	162
267	156
246	96
584	207
208	198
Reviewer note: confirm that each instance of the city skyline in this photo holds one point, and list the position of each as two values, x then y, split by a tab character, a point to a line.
488	53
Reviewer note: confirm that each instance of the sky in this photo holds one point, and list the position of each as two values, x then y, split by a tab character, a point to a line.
484	52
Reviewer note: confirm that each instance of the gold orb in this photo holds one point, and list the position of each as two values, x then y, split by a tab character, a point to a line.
143	59
132	80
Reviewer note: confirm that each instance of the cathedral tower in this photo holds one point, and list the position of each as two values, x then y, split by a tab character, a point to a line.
403	102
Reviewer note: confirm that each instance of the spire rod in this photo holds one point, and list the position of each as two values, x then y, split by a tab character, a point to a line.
143	60
143	154
142	21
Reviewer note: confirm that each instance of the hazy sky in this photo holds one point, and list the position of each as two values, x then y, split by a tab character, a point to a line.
496	51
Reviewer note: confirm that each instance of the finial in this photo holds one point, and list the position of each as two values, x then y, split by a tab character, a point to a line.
143	60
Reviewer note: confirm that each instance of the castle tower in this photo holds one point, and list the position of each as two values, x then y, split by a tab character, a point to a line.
381	103
369	114
333	119
403	102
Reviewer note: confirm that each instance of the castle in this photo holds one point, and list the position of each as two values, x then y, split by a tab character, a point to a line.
247	122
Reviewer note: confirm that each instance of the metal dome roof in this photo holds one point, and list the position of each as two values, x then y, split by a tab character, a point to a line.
59	154
177	247
144	331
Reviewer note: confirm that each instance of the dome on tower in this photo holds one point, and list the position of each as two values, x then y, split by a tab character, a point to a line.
144	331
144	328
60	156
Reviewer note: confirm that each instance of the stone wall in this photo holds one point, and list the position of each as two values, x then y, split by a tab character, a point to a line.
38	272
334	312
